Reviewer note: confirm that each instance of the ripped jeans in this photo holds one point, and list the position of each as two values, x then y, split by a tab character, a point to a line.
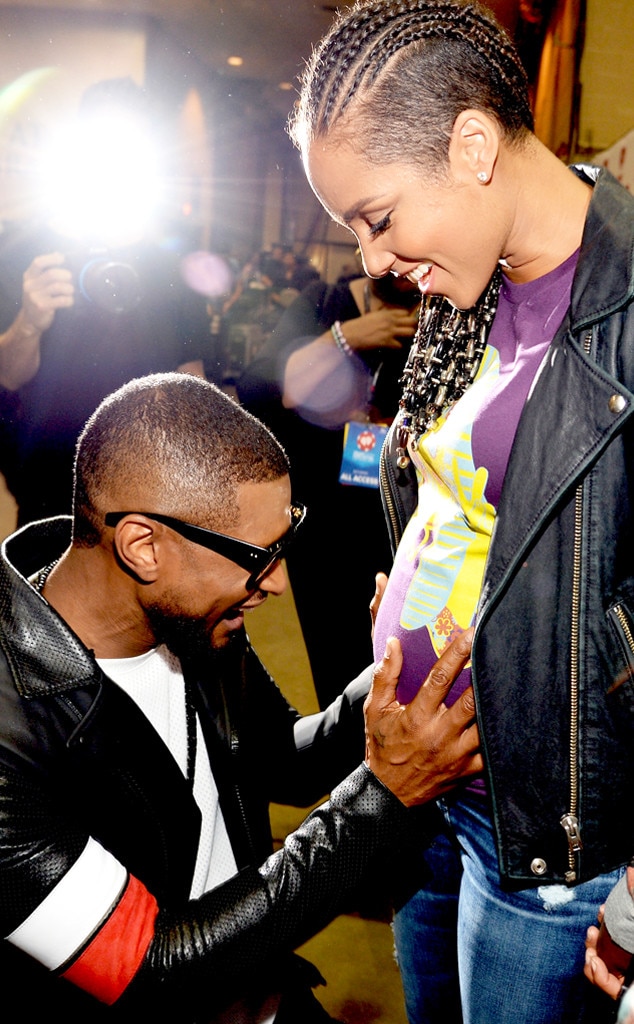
506	958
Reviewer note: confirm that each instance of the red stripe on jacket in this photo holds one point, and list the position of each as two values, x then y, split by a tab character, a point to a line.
108	964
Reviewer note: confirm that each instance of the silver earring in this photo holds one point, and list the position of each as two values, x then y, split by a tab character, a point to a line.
482	176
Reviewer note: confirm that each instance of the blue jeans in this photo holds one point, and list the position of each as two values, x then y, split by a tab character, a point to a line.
470	952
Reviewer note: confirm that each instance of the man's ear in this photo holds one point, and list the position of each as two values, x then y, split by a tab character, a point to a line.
474	146
138	547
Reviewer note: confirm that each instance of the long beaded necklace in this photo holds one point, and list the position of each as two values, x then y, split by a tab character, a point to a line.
39	578
443	361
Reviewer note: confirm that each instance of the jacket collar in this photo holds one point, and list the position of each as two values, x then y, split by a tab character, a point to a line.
44	654
595	293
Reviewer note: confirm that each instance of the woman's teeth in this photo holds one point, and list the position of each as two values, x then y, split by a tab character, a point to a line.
422	271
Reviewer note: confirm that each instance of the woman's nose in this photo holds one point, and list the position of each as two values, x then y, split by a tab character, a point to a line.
376	262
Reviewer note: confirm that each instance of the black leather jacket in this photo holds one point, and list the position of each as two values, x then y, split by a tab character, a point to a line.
553	654
78	759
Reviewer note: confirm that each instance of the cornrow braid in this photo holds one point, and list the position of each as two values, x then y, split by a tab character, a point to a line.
448	23
417	63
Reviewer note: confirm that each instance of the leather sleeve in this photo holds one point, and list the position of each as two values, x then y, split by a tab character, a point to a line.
213	944
329	744
299	759
192	955
38	846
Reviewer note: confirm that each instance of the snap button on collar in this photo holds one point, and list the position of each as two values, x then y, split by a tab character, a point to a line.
616	403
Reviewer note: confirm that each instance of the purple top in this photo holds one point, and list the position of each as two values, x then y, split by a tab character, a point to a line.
435	583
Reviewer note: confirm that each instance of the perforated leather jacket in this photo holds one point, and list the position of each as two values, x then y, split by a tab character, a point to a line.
553	654
87	786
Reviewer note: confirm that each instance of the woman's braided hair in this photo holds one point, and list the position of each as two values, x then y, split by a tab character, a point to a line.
403	70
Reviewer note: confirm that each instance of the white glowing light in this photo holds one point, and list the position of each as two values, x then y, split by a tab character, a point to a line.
100	179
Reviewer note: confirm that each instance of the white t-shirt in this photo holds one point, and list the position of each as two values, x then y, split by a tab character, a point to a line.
155	683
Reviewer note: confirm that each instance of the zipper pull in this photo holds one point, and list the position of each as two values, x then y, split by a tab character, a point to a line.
402	437
570	825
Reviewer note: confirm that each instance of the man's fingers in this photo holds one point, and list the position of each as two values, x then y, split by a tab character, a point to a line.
420	750
465	705
471	741
445	672
384	680
380	581
460	734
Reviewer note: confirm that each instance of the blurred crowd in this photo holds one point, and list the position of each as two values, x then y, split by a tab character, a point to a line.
264	286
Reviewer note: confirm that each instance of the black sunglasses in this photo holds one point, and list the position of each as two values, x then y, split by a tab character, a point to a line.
259	561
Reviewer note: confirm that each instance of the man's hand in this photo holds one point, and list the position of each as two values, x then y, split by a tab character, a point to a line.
422	749
380	581
47	286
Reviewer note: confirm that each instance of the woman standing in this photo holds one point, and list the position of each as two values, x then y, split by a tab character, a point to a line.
415	128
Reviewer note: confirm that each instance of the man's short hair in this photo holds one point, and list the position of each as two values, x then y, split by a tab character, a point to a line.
170	443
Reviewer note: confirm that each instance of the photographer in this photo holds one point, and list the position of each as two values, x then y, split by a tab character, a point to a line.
85	307
62	354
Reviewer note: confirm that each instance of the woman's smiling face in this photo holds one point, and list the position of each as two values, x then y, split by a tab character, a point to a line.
440	232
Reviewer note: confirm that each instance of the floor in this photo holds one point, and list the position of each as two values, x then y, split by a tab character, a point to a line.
354	953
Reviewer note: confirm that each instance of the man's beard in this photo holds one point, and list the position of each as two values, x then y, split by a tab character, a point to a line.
182	635
185	636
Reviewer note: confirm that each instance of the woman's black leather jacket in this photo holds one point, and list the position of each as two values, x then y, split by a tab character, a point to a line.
553	654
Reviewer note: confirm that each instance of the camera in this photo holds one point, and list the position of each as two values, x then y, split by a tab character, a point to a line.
104	281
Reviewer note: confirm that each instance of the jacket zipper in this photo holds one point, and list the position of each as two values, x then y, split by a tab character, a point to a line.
570	820
237	791
621	622
234	746
389	501
625	626
76	717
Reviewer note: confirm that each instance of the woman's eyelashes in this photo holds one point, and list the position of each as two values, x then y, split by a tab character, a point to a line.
380	227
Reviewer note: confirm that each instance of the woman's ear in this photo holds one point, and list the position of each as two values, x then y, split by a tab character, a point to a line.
474	146
138	547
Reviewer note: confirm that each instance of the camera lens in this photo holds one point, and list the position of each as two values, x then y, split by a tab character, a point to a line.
111	285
